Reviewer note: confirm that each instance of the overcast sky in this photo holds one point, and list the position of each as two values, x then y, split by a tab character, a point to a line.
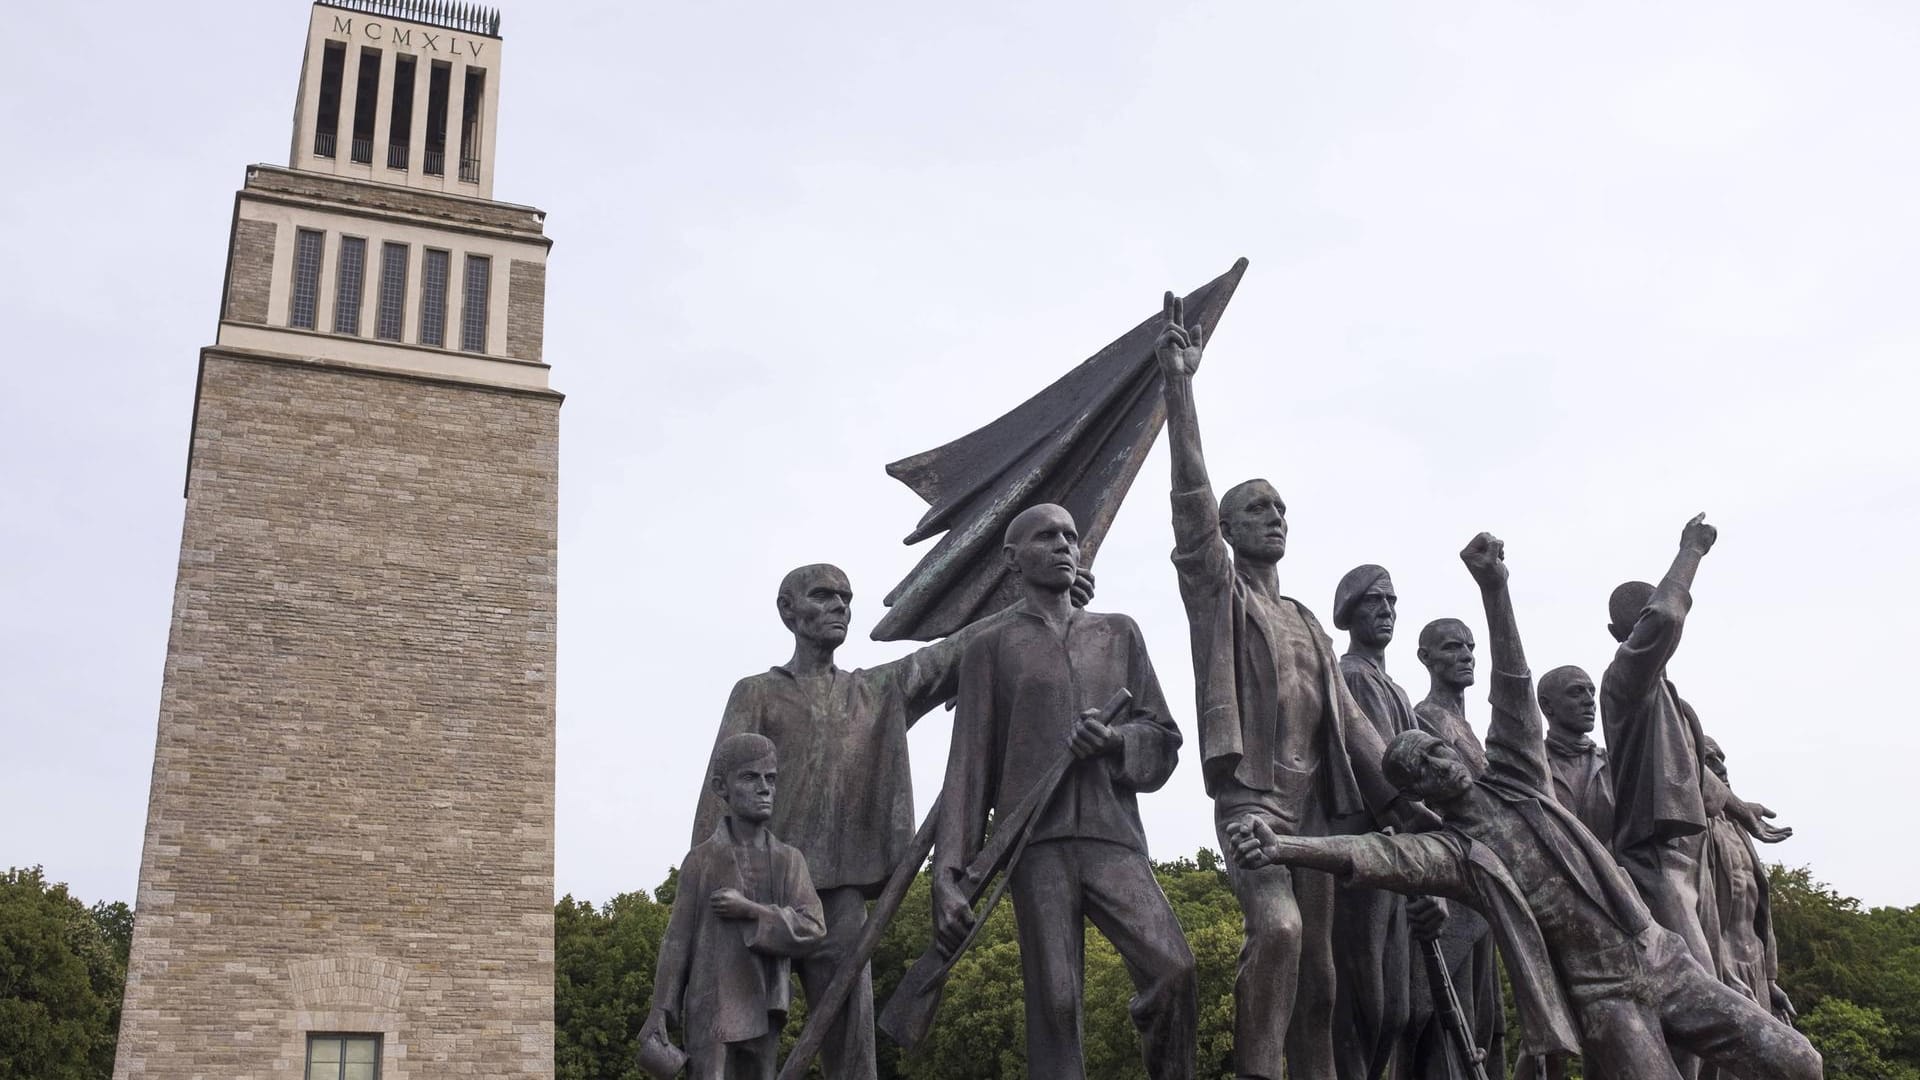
1569	273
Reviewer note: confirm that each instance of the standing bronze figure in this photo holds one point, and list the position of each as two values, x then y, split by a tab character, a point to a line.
1592	972
1281	741
1030	685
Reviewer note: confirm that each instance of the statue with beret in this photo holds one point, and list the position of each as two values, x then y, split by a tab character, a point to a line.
1372	939
1592	972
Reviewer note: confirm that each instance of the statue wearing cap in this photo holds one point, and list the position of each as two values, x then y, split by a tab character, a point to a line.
1592	973
1372	942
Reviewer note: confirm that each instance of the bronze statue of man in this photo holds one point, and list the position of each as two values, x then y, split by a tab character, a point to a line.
1744	950
1281	740
1592	972
1372	940
1660	785
1446	650
1030	691
1581	780
847	800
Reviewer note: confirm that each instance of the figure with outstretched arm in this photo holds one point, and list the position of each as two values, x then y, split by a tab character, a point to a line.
1661	786
847	801
1592	972
1744	950
1281	740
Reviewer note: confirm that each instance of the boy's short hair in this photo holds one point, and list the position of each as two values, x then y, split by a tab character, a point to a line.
737	750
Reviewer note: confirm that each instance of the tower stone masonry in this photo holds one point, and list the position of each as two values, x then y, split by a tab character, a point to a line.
348	866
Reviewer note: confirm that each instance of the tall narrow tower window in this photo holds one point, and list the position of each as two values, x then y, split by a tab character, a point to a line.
433	297
306	278
473	304
366	105
400	129
326	123
470	125
439	81
393	292
351	275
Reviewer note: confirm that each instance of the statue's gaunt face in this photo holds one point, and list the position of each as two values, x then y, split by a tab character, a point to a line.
820	608
1047	552
1450	658
1253	520
1572	705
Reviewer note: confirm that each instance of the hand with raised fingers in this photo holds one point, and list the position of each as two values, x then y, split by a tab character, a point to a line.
1178	346
1698	535
1753	817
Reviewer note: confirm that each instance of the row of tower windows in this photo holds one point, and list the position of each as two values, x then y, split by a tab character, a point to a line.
390	301
366	104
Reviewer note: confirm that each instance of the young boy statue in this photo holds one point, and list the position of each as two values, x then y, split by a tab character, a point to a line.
743	909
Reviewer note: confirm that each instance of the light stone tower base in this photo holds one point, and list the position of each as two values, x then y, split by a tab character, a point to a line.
348	868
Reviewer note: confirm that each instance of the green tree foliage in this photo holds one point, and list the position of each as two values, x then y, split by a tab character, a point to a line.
604	982
1854	974
62	970
603	960
1855	1041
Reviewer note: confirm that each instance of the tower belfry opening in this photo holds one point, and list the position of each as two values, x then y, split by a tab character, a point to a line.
400	91
348	865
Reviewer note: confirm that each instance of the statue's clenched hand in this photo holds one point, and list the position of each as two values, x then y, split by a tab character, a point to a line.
1081	591
952	919
1486	559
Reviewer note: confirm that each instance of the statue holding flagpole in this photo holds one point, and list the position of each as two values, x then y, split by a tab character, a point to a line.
1077	443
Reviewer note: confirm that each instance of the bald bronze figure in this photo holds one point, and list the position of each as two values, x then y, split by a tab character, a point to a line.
1446	650
1031	688
1661	786
846	797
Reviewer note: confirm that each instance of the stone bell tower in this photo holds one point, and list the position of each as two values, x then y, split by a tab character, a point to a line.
348	867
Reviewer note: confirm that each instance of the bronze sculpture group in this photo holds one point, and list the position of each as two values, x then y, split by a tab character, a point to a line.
1387	864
